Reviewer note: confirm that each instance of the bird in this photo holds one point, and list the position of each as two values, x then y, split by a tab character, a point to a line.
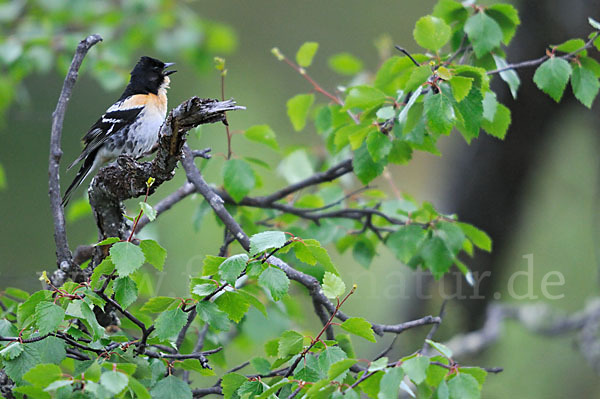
130	126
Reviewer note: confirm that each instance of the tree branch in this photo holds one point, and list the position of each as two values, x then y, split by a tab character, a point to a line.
538	61
216	203
63	253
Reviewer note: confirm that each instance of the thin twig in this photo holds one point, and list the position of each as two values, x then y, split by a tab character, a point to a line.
538	61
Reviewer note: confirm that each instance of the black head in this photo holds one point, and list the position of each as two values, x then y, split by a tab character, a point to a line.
148	75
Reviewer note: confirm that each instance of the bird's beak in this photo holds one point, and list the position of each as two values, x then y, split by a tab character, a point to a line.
167	73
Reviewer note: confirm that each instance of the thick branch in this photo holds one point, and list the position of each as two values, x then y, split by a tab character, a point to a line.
127	178
63	253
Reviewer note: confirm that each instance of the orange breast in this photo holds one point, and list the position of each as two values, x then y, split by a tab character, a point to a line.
157	102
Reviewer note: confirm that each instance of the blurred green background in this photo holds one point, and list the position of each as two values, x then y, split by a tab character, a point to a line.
557	208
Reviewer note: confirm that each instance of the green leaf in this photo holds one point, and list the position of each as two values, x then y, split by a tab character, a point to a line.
90	318
379	145
439	112
478	373
204	288
464	386
461	86
104	268
261	365
471	114
436	256
552	76
273	389
452	235
32	392
333	286
149	211
276	281
210	313
232	267
233	304
266	240
56	385
48	317
238	178
570	45
211	264
126	291
158	304
345	64
329	356
340	367
364	167
154	253
169	323
405	242
595	24
443	349
499	126
418	76
26	310
127	257
305	53
435	373
290	343
385	113
400	153
172	387
139	389
507	18
484	33
17	367
390	383
359	326
490	105
442	391
12	350
272	347
250	389
450	11
114	381
415	368
231	383
379	364
364	252
364	97
431	32
297	109
108	241
585	85
509	76
50	350
478	237
310	251
262	134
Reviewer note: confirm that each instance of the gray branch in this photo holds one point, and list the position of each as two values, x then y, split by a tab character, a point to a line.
539	318
64	257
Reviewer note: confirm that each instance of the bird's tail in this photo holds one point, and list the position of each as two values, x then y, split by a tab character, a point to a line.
84	171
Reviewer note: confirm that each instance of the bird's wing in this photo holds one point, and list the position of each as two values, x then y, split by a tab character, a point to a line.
115	118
